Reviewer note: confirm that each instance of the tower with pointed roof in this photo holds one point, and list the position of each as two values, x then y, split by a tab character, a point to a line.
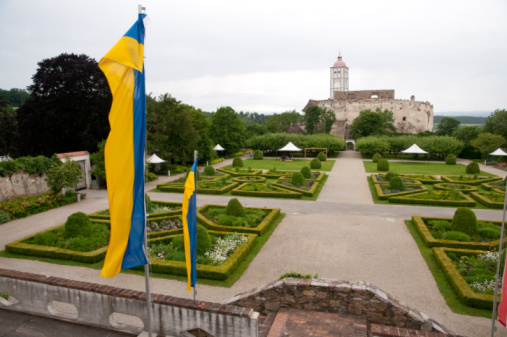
339	77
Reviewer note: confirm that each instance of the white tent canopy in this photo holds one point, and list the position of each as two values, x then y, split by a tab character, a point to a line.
290	147
415	150
154	159
218	148
498	152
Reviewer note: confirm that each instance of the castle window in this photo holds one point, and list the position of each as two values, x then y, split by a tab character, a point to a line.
404	118
352	96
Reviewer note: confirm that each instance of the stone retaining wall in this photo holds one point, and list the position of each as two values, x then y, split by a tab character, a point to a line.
343	297
21	184
97	304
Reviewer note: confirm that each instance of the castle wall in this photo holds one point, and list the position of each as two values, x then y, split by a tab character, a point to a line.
410	116
363	94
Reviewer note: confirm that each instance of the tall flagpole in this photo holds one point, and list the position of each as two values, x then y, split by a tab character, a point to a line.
142	9
493	318
195	158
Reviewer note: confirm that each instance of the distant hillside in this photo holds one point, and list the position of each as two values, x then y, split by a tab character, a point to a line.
463	119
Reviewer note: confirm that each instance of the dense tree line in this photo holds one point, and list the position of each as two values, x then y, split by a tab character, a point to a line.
14	97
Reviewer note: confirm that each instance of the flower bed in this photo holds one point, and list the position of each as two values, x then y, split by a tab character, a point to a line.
263	190
459	187
425	179
163	226
240	172
489	199
493	184
277	174
384	193
308	188
220	272
25	206
469	180
249	179
381	179
270	214
458	282
436	198
426	230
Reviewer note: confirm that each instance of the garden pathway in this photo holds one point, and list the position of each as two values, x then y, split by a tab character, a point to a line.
342	235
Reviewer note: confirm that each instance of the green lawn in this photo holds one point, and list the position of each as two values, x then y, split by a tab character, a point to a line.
440	169
268	164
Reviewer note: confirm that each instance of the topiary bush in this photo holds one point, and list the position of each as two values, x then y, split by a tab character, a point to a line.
307	172
465	221
258	155
315	164
298	179
456	236
234	208
383	165
391	175
450	159
376	157
322	156
209	171
78	224
237	162
396	184
203	239
473	168
4	217
71	194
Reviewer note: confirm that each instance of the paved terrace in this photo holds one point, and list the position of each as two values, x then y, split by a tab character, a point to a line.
342	235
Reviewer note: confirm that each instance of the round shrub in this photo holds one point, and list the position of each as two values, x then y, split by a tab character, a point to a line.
396	184
237	162
383	165
315	164
376	157
307	172
489	233
456	236
322	156
298	179
71	194
440	225
203	239
234	208
473	168
257	155
209	171
4	217
450	159
78	224
391	175
464	221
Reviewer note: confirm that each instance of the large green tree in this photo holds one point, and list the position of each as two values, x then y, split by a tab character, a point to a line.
227	129
280	123
497	123
488	142
68	107
318	120
466	134
447	126
8	127
371	123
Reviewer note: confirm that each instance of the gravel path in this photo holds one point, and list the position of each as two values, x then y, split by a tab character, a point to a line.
342	235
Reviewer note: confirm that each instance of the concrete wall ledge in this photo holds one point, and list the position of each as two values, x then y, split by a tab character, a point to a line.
98	304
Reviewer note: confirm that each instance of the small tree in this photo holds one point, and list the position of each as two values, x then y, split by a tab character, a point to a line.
450	159
237	162
257	155
322	156
298	179
307	172
234	208
66	175
376	157
464	221
383	165
209	171
315	164
473	168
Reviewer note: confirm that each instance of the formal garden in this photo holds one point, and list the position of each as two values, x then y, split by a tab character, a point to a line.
228	238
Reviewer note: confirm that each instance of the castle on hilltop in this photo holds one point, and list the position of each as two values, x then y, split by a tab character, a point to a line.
410	116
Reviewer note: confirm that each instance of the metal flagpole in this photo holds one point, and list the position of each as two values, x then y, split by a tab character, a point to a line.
195	158
141	9
493	318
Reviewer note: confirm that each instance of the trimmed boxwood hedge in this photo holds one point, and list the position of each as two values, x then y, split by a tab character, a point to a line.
483	199
458	283
18	247
491	185
220	272
478	181
281	193
308	193
382	196
180	188
425	179
376	181
430	241
255	179
259	230
410	200
242	172
98	216
465	189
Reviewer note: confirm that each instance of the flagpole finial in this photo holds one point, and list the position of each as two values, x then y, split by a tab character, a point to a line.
141	9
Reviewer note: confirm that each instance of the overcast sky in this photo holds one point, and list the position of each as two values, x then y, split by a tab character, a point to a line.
272	56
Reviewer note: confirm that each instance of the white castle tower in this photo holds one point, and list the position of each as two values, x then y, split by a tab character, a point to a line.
339	77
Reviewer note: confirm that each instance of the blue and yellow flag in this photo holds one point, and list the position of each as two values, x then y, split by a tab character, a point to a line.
124	151
189	215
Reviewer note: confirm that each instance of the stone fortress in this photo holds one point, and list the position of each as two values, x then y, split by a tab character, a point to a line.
410	116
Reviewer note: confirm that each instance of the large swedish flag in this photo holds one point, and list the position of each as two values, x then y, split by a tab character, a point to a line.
189	215
124	151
